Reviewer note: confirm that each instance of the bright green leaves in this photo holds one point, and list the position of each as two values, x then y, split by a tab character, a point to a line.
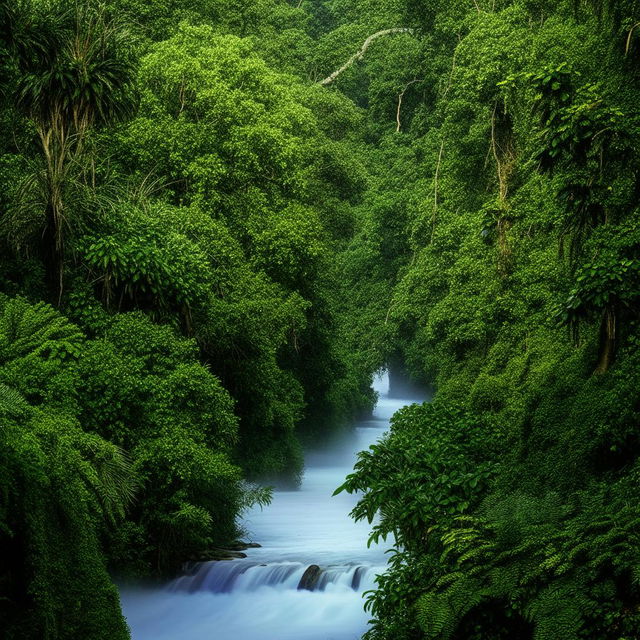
58	485
147	266
191	495
262	191
430	468
520	543
74	73
576	119
584	139
288	245
433	466
35	331
38	351
143	387
222	119
61	486
607	288
545	158
608	282
73	86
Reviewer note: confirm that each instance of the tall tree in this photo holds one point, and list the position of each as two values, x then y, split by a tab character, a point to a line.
75	74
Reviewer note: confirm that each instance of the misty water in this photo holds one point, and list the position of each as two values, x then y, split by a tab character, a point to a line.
258	598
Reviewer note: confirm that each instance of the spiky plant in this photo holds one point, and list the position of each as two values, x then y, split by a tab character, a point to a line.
75	74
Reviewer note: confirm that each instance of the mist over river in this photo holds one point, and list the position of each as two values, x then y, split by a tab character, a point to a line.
258	598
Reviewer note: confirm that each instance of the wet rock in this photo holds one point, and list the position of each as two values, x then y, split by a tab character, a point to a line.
357	577
224	554
310	578
239	545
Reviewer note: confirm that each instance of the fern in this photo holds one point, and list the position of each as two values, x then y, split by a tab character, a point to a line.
36	330
12	403
435	616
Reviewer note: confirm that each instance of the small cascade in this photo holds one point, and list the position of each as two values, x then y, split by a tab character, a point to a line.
222	576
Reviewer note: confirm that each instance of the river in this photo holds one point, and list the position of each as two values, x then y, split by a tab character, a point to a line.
258	598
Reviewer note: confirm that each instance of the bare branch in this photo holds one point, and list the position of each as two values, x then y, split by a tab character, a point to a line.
360	54
400	97
626	49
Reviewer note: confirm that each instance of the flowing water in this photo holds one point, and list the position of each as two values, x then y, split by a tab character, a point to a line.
258	598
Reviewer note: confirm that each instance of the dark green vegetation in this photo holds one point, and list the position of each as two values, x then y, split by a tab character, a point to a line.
172	199
504	222
205	253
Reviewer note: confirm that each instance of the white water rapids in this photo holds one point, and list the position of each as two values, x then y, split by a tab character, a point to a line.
258	598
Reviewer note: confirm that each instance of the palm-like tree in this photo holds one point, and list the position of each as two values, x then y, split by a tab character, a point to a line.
74	74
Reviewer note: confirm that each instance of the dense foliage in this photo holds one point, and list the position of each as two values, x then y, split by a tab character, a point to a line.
503	222
217	221
172	198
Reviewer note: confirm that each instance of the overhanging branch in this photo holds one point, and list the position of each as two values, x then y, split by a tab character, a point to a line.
360	54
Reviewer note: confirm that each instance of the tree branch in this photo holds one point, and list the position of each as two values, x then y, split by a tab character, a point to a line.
626	49
400	97
435	190
360	54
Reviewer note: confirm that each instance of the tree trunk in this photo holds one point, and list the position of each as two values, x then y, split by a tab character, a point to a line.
607	346
52	256
56	150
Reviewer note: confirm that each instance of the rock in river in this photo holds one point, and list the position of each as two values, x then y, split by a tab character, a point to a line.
310	578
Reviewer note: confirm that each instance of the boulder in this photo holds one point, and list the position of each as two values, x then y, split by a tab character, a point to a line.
310	578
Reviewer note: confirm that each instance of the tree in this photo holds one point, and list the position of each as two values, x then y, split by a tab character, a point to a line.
74	75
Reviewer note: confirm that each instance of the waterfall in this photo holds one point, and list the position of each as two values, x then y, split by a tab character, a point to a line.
248	575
